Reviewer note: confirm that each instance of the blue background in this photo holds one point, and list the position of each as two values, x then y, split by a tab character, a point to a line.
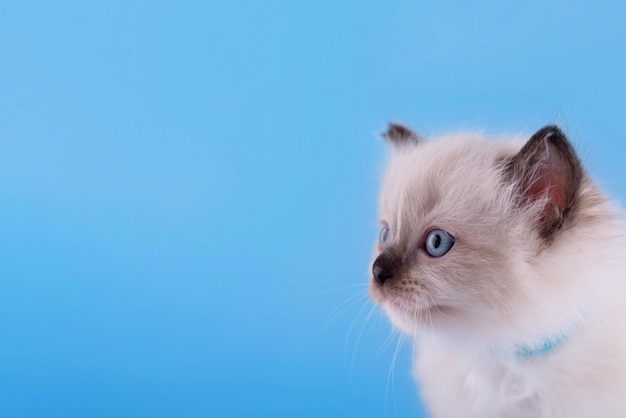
188	189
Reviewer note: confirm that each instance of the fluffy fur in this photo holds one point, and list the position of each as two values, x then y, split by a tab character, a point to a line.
539	252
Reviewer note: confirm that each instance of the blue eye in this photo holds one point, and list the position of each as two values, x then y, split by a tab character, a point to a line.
438	242
384	236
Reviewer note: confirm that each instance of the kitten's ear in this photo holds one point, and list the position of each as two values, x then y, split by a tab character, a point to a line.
547	169
401	135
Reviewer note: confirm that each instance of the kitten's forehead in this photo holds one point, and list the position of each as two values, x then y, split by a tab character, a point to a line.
448	176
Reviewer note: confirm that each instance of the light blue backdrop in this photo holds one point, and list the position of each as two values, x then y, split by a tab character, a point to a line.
188	189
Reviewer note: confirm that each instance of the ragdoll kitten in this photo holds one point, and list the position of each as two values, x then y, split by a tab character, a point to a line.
508	265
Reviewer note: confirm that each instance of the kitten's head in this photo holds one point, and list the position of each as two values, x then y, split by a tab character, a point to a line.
463	222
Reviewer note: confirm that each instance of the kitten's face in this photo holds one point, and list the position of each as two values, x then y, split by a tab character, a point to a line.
455	242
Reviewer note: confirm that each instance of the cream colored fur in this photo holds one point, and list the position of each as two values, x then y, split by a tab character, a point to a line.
502	286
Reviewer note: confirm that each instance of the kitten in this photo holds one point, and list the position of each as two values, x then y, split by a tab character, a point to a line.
507	264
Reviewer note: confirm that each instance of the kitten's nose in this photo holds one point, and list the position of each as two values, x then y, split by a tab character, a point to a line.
381	274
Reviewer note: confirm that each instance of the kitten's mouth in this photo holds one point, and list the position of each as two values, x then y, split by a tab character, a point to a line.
412	310
407	312
411	317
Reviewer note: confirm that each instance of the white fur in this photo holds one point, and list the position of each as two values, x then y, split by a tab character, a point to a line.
465	359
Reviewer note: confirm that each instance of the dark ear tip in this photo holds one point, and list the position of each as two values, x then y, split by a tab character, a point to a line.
554	135
398	133
552	129
551	132
547	167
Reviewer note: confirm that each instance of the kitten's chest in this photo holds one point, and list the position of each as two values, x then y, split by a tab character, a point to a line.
462	387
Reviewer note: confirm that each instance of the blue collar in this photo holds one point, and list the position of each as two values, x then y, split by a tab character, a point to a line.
544	347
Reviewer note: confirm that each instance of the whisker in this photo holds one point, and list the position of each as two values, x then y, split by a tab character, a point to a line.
346	302
354	321
342	307
358	338
391	377
434	305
